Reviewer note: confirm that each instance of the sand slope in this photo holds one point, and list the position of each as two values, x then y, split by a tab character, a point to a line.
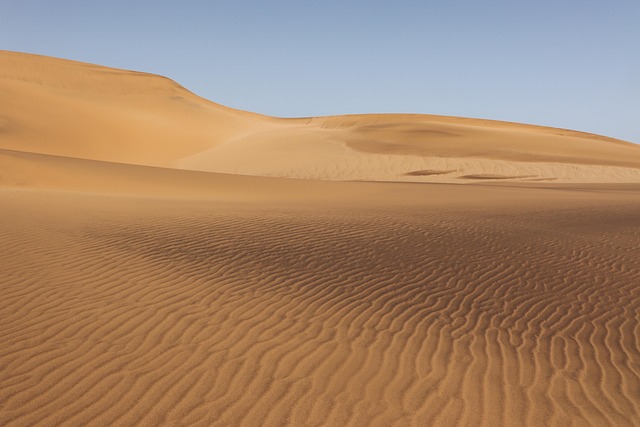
136	292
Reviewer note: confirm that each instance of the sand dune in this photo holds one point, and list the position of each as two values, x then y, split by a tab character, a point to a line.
73	109
145	281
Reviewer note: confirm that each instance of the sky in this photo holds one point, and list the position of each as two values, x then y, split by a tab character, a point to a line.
565	63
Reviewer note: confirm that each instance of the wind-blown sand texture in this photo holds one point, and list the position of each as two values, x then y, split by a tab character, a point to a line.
498	286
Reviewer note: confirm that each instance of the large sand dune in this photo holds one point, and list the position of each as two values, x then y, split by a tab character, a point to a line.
73	109
145	281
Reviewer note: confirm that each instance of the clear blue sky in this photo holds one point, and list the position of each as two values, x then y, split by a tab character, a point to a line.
566	63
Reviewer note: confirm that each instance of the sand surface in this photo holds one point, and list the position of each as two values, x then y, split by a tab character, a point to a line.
163	263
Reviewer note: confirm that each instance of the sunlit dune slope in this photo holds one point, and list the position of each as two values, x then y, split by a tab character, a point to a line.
68	108
73	109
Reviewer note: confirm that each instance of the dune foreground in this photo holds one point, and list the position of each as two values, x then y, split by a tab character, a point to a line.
163	263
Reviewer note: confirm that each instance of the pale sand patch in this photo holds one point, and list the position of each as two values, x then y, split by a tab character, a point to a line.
322	155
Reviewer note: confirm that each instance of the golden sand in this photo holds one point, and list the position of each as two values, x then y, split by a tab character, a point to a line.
485	274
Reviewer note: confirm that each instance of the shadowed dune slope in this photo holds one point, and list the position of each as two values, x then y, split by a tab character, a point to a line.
67	108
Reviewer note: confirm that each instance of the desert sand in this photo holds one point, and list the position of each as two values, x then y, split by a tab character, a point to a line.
165	260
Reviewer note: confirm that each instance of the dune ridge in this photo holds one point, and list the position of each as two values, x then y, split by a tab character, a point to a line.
165	260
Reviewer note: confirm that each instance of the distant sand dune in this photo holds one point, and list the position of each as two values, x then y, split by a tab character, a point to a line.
73	109
165	260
